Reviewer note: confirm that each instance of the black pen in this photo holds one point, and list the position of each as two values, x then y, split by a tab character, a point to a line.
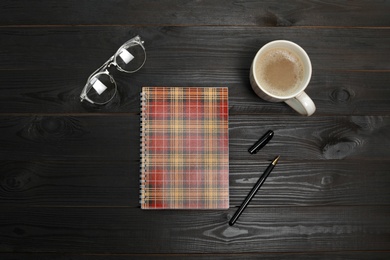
253	191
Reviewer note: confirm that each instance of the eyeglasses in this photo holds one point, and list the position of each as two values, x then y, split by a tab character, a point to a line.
101	86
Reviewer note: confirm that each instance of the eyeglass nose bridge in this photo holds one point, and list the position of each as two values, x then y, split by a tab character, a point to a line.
111	62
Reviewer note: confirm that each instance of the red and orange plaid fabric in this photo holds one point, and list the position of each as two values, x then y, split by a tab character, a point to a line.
184	148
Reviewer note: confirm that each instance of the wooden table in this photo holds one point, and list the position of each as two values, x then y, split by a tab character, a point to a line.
69	172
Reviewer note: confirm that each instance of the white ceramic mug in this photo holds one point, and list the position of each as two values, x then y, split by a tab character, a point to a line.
298	99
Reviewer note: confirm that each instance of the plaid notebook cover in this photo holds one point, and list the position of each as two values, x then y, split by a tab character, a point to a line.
184	148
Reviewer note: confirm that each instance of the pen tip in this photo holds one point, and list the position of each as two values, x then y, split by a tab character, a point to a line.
275	161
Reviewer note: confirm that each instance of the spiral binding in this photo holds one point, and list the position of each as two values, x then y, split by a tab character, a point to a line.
143	150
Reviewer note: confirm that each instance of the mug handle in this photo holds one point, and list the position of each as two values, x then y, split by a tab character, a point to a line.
302	103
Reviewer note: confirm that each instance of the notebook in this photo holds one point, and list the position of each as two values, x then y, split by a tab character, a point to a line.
184	148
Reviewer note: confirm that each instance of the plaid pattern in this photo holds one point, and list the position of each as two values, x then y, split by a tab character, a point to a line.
185	148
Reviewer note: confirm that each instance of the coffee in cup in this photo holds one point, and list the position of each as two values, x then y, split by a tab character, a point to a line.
281	70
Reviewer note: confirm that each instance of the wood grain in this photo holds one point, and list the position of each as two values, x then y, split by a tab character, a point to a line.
107	137
194	47
312	183
312	138
57	91
121	230
217	12
94	183
69	171
343	255
67	137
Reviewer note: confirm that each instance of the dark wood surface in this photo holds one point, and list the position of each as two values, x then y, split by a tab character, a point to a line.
69	172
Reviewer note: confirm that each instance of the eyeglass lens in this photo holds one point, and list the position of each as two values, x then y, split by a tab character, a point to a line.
130	58
101	88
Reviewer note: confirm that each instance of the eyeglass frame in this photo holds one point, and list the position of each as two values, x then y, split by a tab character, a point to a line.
103	70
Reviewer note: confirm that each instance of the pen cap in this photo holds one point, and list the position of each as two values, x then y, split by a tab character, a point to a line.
261	142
